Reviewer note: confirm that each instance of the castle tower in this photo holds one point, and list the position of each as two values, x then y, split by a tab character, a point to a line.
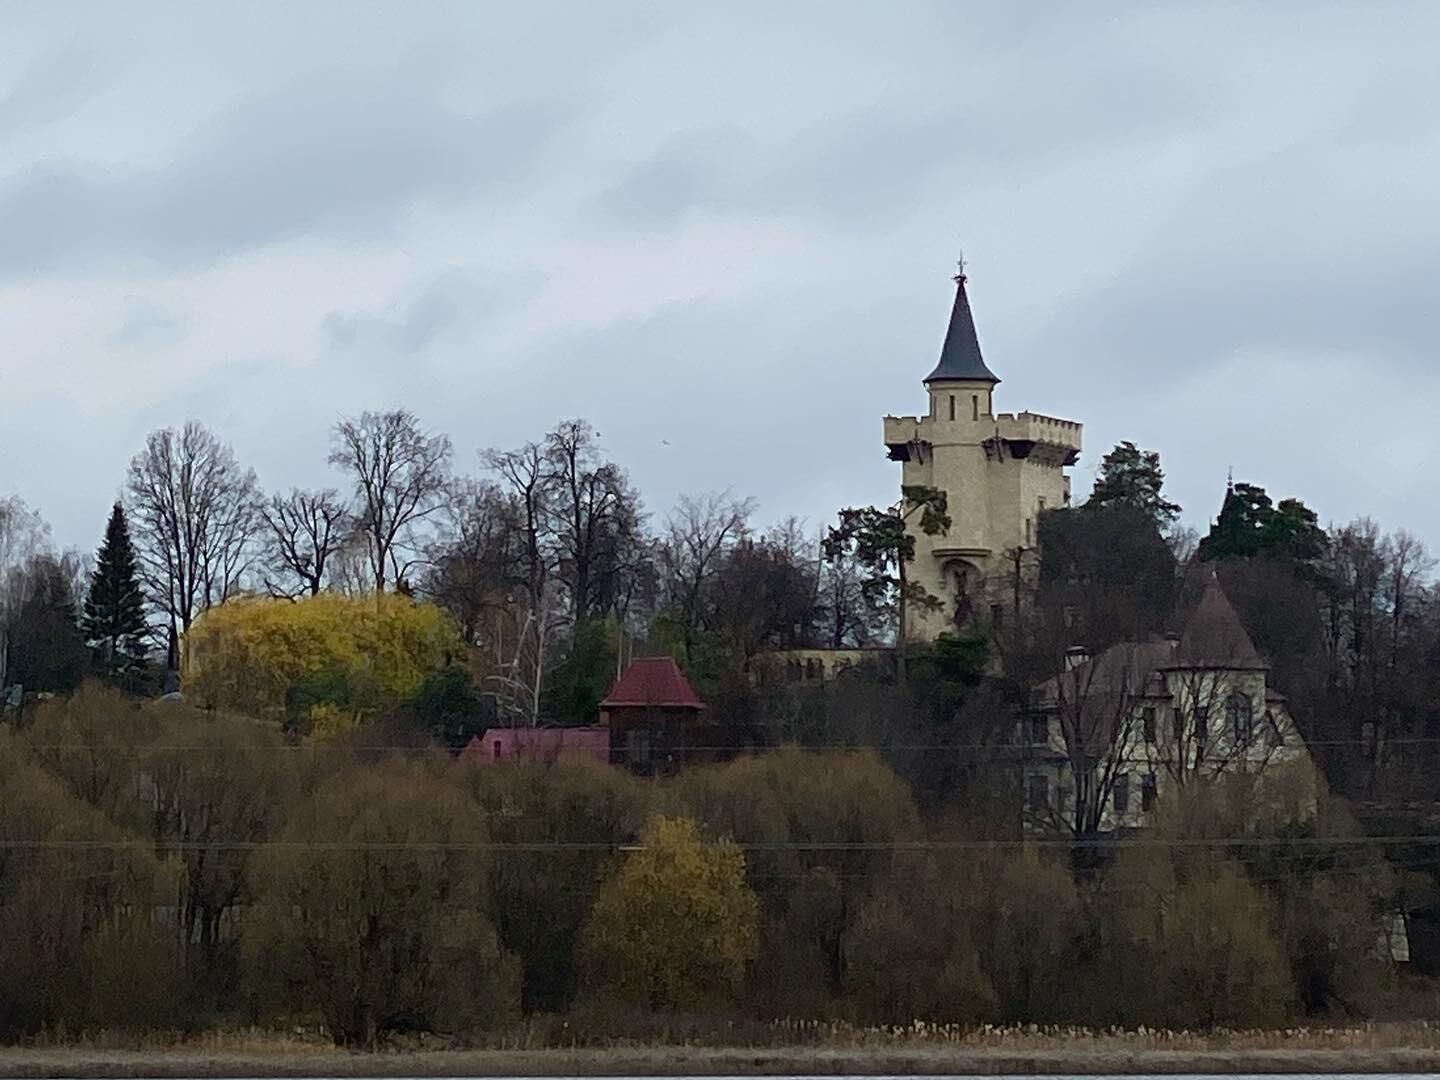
998	472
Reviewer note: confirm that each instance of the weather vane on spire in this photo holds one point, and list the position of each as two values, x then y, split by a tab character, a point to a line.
960	269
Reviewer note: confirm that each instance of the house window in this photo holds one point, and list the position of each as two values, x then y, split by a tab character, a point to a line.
1121	794
1037	792
1028	540
497	749
1041	503
1149	788
1178	724
974	406
1240	718
952	406
997	616
1039	731
814	669
1147	723
1202	723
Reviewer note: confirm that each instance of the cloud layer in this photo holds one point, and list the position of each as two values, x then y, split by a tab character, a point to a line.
725	237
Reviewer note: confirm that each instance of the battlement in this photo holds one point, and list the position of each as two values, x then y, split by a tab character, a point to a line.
901	429
1038	428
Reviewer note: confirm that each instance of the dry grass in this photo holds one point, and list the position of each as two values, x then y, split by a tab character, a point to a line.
793	1048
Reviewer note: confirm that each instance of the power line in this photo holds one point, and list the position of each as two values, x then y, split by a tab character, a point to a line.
1317	843
695	749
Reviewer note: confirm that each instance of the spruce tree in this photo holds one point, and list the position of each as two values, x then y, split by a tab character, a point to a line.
114	621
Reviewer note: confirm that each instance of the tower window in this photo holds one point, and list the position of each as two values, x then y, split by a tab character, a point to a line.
952	406
975	406
1028	531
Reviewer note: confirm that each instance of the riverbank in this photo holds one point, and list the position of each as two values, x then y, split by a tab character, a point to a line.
1373	1050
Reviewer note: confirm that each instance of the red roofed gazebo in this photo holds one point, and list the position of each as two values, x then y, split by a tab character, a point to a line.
656	719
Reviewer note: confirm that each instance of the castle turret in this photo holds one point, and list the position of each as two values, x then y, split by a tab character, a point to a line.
998	473
961	381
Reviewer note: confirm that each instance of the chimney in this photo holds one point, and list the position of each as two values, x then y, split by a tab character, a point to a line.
1075	656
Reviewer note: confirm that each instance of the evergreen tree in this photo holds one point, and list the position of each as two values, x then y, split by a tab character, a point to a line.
114	620
1250	525
1132	477
46	649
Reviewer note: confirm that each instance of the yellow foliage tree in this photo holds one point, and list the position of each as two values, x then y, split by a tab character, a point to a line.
245	654
676	926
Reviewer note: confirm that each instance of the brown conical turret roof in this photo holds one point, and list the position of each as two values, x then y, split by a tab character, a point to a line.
1214	637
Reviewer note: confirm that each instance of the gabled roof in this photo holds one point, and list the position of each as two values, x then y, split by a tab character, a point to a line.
654	681
1099	693
1214	637
960	357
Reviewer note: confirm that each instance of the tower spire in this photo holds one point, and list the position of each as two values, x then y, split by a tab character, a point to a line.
960	357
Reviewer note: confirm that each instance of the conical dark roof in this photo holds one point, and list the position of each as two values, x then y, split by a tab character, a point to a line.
960	355
1215	638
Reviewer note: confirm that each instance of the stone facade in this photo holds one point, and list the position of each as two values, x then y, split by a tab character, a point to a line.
998	471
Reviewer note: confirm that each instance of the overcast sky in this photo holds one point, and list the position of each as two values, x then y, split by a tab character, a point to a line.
724	233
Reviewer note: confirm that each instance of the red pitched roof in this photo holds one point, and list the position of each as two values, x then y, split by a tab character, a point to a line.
655	681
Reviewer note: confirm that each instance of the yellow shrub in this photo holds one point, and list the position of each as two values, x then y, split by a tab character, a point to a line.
246	653
676	926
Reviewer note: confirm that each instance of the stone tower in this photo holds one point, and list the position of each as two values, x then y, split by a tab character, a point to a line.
998	471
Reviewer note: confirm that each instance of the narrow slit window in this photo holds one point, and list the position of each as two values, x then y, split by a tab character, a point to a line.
975	406
952	406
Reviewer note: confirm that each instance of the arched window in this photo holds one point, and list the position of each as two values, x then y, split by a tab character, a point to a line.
1240	718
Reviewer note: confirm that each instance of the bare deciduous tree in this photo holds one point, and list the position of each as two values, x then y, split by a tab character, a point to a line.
473	566
699	533
523	478
307	528
401	475
1094	705
23	535
595	516
195	513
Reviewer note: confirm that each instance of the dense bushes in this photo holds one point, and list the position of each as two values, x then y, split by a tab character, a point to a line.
372	911
162	866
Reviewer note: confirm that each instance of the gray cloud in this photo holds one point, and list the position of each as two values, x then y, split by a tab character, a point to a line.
146	324
1303	248
52	87
863	168
751	214
453	297
336	159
